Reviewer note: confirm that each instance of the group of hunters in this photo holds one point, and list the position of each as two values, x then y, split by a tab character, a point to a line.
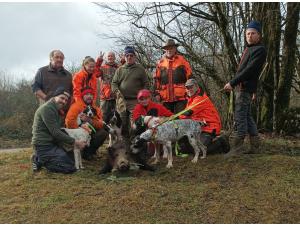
125	88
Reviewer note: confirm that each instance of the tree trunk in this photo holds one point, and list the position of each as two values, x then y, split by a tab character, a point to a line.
269	16
288	63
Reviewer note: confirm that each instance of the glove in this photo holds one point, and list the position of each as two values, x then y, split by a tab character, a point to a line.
188	113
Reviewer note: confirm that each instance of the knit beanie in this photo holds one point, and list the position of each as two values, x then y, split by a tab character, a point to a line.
129	49
61	90
255	25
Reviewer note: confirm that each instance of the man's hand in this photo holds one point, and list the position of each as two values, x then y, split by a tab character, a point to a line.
80	144
228	87
84	118
157	98
40	94
254	97
101	55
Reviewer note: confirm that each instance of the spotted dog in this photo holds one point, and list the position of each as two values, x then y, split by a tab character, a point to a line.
89	111
152	122
172	131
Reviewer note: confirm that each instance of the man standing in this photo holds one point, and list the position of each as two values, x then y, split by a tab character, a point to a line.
48	78
128	80
172	71
245	83
47	136
106	73
77	111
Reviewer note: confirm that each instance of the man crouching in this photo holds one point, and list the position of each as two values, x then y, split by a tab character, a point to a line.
47	136
78	115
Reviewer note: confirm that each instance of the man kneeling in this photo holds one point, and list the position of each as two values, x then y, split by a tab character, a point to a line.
47	136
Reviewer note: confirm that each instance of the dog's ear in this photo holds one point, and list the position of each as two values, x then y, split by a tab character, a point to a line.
94	110
119	120
111	151
152	112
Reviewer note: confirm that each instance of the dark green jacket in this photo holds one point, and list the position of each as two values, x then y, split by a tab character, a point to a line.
46	126
130	79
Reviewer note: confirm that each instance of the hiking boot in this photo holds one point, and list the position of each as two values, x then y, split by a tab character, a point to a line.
35	164
254	145
238	146
224	140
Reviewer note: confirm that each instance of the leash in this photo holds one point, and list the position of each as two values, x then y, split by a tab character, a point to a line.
91	127
185	110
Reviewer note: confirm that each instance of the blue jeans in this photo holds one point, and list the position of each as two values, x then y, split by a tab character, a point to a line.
244	122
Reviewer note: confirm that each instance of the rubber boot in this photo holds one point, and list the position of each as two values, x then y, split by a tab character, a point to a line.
238	146
254	145
219	145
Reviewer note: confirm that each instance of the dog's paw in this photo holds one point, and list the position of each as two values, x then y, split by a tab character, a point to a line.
195	160
155	162
169	165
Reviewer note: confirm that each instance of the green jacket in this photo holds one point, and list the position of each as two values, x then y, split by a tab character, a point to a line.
130	79
46	126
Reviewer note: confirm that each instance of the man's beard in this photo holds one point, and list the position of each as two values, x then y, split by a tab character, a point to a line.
88	101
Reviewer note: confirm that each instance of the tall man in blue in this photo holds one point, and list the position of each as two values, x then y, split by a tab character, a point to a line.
245	84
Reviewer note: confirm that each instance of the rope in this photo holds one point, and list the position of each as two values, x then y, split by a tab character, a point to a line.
185	110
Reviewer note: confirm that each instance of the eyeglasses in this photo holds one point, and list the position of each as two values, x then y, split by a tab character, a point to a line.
129	55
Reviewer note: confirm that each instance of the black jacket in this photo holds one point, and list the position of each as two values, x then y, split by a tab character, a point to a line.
250	67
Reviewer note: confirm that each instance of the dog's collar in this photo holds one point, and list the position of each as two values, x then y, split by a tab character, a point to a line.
147	124
88	127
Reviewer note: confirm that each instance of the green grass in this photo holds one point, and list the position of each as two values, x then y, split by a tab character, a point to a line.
262	188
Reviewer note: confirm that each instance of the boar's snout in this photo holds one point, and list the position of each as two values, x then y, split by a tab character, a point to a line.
123	165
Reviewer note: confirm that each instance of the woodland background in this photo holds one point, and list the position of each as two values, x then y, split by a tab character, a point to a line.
211	37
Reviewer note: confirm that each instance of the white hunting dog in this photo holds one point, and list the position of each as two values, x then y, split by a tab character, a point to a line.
172	131
82	133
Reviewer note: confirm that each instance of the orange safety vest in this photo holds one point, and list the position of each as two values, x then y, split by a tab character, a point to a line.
170	77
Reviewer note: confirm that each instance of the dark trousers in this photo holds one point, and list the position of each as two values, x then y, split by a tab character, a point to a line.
96	141
108	107
54	159
175	107
126	124
244	122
